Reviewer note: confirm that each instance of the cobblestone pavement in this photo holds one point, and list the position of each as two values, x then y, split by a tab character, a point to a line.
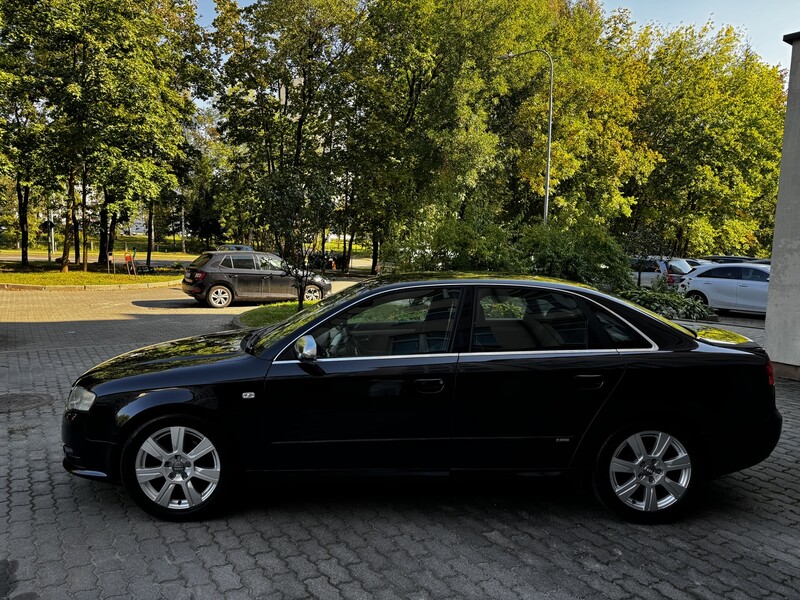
64	537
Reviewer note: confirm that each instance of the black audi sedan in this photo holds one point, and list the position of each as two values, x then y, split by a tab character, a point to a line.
220	277
432	376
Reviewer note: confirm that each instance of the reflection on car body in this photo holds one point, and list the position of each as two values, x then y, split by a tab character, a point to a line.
431	376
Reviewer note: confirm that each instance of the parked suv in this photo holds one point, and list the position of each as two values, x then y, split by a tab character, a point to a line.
652	268
218	278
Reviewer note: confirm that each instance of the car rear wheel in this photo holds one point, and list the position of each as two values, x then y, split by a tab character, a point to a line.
646	475
219	296
699	296
312	293
172	467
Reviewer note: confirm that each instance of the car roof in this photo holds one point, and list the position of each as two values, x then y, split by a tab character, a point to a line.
704	268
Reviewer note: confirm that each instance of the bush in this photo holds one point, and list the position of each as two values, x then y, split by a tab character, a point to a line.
668	303
586	255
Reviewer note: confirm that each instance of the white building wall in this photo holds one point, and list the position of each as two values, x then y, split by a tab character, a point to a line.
783	305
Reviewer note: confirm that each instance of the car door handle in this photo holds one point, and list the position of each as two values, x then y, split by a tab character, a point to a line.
589	382
429	386
743	285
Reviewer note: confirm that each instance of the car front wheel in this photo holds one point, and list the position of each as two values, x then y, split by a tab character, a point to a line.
219	297
312	293
173	468
646	475
698	296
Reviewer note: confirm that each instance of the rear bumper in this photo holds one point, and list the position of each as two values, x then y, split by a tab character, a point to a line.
737	450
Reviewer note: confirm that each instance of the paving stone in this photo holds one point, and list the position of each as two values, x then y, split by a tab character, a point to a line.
62	537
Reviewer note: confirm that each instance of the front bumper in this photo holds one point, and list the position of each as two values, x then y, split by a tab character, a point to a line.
85	457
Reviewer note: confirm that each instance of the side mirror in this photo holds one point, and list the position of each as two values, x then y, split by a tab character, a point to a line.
306	348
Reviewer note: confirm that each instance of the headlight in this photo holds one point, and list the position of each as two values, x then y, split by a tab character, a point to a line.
80	399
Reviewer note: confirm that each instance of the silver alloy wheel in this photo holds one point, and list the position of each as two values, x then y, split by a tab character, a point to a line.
650	471
177	468
312	293
219	296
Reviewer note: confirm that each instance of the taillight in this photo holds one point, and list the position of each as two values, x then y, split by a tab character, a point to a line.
770	373
670	278
200	275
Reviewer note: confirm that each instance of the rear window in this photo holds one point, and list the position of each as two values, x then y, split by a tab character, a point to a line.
678	267
201	260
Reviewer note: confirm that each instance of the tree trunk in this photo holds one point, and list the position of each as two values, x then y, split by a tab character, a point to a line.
112	232
375	247
84	196
68	230
150	232
23	207
76	231
348	259
102	252
183	230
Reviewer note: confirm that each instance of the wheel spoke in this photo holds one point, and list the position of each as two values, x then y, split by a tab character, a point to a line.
210	475
154	449
680	462
144	475
192	496
637	445
673	487
622	466
663	442
627	490
176	437
650	499
203	447
165	495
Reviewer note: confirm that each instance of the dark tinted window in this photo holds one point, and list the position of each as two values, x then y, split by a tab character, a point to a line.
723	273
418	321
243	262
621	334
754	274
201	260
522	319
226	262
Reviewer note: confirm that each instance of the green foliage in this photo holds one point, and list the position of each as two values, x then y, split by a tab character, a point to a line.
586	255
667	303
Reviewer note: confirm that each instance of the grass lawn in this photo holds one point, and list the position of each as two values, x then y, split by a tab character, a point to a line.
49	273
270	313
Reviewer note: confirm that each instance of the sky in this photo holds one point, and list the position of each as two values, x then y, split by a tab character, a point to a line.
764	22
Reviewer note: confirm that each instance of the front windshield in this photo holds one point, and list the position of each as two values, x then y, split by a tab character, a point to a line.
272	333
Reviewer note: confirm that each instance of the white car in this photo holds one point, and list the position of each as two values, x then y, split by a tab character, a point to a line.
729	286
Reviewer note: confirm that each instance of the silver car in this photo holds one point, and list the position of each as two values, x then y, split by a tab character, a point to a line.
729	286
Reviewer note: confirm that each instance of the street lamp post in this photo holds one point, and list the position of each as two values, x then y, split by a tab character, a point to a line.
509	56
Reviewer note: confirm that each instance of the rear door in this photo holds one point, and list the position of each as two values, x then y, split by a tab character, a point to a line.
540	367
720	285
246	279
752	289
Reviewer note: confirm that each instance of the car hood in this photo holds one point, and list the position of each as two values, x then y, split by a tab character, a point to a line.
194	354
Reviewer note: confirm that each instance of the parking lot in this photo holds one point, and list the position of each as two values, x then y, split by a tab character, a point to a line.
64	537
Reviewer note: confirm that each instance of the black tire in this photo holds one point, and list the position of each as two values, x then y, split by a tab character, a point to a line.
699	296
219	296
647	474
312	293
165	478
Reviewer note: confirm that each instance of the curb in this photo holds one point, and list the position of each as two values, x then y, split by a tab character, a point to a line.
88	288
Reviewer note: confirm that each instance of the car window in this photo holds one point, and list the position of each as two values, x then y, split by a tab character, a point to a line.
417	321
226	262
754	274
201	260
722	273
270	263
243	262
621	334
522	319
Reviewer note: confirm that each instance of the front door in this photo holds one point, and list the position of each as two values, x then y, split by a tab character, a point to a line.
277	280
379	395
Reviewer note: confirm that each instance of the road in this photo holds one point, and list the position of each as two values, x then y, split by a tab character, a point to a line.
64	537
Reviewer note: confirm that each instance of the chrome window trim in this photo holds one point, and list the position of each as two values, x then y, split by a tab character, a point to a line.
426	356
510	283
